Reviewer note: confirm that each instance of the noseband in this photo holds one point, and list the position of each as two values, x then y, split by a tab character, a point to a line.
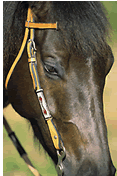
31	50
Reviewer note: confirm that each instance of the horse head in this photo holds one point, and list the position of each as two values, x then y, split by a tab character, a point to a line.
72	64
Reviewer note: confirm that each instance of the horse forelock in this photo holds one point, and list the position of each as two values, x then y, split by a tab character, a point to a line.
84	26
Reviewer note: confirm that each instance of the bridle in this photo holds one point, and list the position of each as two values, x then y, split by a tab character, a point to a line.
31	50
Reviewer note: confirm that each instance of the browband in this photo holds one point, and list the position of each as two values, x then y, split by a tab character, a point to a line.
29	24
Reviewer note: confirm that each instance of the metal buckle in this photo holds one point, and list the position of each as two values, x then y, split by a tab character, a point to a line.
31	51
33	44
31	48
61	155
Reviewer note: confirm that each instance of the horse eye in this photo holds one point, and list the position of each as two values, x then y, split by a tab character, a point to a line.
50	69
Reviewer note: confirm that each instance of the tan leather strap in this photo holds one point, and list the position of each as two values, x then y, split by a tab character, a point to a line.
41	25
28	25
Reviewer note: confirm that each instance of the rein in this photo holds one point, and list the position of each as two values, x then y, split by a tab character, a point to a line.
31	50
19	147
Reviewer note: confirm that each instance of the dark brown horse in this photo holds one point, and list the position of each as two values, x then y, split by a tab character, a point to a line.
72	64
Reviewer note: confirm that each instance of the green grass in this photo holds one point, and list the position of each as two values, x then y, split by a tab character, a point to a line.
13	163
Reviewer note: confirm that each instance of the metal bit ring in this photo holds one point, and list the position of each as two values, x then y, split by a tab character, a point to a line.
61	155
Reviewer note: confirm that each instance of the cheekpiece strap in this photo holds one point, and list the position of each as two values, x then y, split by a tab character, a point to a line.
31	50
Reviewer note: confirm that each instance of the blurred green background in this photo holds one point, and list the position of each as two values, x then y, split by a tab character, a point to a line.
13	165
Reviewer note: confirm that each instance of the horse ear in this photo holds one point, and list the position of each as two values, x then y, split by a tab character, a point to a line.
40	9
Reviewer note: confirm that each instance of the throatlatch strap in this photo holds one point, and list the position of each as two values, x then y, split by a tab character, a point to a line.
20	51
17	58
29	25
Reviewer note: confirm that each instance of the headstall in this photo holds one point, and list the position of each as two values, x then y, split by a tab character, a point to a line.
31	50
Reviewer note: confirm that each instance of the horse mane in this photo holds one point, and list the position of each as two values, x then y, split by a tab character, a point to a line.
8	13
84	25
